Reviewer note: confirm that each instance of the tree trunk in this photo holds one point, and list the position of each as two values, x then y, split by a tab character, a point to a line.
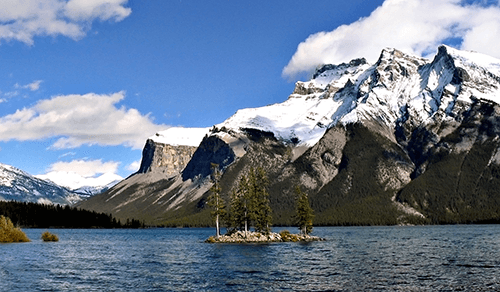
246	224
217	230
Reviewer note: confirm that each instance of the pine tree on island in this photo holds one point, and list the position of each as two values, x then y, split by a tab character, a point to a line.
250	206
262	210
240	206
304	216
250	203
214	200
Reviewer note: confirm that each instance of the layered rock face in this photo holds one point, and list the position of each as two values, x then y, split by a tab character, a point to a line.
163	158
405	140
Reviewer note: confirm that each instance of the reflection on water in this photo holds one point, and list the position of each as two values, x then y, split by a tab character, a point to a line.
424	258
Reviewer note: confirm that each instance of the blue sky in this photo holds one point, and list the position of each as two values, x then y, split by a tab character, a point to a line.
84	83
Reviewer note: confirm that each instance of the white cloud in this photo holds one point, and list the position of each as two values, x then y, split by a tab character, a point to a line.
88	119
11	94
85	168
33	86
67	154
79	173
134	166
413	26
82	10
22	20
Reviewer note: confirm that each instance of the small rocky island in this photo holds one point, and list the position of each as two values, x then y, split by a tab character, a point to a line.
249	206
257	237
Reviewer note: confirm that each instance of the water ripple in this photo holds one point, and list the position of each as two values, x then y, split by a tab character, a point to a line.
430	258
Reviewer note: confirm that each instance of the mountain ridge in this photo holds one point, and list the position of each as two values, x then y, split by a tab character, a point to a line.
357	137
18	185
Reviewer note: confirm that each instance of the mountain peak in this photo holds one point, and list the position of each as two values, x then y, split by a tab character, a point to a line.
343	66
405	137
18	185
385	91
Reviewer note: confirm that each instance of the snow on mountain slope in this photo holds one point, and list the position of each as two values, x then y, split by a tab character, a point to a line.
362	133
74	181
17	185
474	59
307	113
90	190
179	136
397	85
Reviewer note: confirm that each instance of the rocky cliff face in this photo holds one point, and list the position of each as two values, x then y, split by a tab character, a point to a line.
163	158
405	140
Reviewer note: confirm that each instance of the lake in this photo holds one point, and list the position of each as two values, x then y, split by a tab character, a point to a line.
397	258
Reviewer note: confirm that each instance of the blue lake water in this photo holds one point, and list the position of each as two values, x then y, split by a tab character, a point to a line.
416	258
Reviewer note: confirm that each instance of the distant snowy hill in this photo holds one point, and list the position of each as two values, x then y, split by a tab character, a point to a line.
17	185
86	186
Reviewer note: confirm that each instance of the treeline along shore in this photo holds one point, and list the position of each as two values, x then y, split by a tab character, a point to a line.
34	215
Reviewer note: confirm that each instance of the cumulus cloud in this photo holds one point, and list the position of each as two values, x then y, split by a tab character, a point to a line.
22	20
79	173
413	26
89	119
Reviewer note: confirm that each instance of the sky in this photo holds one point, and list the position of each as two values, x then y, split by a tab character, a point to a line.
84	83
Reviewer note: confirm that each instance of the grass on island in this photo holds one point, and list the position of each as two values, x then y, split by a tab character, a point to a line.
287	236
10	233
47	236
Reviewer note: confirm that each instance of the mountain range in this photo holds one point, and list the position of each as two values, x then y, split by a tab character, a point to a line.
18	185
405	140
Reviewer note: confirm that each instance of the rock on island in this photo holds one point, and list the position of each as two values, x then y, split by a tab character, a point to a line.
257	237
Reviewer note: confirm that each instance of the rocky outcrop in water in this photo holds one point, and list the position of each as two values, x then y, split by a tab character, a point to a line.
257	237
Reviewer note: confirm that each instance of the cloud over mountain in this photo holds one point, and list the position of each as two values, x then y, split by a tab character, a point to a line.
80	173
414	26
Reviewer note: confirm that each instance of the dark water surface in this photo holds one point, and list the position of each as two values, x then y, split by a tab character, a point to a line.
423	258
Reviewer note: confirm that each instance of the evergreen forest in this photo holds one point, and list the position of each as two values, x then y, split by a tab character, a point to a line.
34	215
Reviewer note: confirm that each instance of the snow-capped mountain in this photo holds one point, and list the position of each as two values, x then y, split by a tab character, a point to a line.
396	86
88	191
85	186
404	140
177	136
17	185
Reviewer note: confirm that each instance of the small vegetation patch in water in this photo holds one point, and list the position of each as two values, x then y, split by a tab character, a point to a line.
47	236
10	233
